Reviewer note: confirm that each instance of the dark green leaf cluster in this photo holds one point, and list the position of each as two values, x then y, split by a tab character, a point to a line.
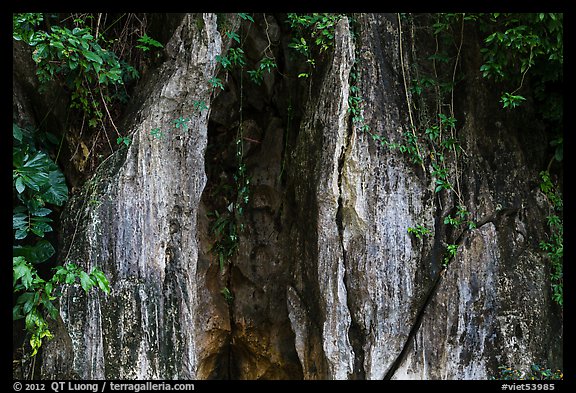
36	294
267	64
528	46
518	42
313	33
225	233
39	184
419	231
318	26
234	58
78	59
146	43
37	181
554	245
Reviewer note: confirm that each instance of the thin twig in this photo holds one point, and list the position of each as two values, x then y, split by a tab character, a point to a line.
267	37
524	73
107	111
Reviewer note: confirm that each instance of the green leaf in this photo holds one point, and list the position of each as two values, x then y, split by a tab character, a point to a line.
101	280
48	288
20	234
36	253
156	133
39	231
92	56
233	35
28	306
17	132
34	171
19	184
57	191
146	40
85	281
17	312
245	16
70	278
41	212
21	271
49	306
124	140
20	220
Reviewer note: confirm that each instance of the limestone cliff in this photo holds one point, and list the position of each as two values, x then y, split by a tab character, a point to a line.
326	281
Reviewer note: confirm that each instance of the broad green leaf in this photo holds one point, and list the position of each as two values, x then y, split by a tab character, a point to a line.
36	253
92	56
57	192
35	220
30	304
17	312
17	132
48	288
70	278
101	280
41	212
39	53
39	230
19	184
21	271
19	221
20	234
85	281
37	162
49	306
57	44
34	180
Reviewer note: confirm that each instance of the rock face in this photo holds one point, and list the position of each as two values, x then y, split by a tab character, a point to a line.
327	283
143	233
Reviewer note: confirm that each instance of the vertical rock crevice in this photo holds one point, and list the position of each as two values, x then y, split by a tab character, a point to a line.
258	343
325	127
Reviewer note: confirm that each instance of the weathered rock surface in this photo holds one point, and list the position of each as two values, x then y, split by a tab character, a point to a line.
136	219
327	282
